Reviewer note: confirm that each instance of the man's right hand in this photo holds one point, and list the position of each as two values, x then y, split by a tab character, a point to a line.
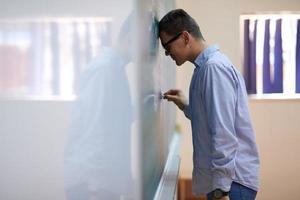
177	97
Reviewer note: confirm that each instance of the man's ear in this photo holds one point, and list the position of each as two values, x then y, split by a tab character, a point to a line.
186	35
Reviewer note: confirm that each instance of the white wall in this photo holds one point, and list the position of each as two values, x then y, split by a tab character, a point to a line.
31	149
276	122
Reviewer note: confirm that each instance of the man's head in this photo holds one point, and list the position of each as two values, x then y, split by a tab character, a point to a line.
178	32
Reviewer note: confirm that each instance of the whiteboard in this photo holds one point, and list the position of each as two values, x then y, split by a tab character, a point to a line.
81	109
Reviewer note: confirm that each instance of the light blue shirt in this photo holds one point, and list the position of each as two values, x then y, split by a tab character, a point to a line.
223	137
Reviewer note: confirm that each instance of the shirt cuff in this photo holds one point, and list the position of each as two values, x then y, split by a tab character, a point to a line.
223	183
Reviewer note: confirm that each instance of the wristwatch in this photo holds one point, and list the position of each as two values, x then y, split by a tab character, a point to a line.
218	193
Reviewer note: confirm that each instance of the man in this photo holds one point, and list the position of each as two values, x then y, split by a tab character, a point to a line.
97	159
225	155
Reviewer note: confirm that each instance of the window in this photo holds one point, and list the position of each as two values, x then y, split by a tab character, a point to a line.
272	54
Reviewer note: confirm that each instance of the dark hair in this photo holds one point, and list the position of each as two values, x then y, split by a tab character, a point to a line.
177	21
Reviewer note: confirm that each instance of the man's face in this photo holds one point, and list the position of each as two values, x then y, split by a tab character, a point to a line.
174	46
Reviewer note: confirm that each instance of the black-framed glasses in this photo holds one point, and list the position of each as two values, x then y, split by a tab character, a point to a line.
165	45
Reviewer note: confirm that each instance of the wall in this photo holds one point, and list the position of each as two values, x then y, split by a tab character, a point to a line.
276	122
32	143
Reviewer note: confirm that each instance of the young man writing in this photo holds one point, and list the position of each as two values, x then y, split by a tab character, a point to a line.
225	155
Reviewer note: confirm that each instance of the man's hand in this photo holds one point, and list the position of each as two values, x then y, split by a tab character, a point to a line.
177	97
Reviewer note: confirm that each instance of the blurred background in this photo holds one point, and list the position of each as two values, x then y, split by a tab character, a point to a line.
80	86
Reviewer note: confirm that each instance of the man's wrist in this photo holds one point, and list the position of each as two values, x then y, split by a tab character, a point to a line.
219	193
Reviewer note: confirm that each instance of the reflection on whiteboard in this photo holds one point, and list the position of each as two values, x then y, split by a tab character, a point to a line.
44	56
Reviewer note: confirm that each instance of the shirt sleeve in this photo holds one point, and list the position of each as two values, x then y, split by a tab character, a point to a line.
219	96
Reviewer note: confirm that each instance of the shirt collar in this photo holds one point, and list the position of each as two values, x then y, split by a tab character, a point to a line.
205	54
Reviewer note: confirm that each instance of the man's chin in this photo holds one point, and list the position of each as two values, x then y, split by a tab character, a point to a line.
178	63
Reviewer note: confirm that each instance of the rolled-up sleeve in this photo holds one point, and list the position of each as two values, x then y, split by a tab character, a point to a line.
219	96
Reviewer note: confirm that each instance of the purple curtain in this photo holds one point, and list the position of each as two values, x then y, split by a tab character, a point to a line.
298	58
267	88
250	57
278	63
275	85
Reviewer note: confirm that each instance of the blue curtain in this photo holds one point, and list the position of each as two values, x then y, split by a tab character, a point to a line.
250	57
275	85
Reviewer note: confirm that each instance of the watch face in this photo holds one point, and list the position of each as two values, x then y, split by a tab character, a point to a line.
218	194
